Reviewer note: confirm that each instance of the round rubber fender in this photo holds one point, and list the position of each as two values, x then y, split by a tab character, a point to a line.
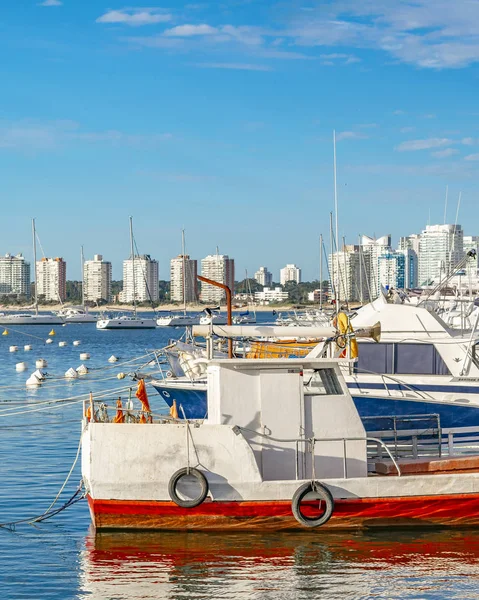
322	493
173	483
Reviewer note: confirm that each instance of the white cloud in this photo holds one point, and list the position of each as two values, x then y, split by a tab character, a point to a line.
350	135
406	129
50	3
472	157
190	30
398	113
467	141
445	153
427	144
135	17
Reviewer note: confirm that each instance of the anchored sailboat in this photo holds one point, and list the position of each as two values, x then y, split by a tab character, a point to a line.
127	321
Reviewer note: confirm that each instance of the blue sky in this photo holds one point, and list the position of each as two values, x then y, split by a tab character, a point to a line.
218	117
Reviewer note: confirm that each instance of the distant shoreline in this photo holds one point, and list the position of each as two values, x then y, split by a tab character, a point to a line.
146	309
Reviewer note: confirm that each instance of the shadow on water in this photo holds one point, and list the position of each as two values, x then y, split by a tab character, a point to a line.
297	565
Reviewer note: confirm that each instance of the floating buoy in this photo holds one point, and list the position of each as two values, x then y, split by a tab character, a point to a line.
21	366
71	374
5	332
84	356
121	376
48	341
32	380
40	363
27	348
13	348
113	358
76	343
52	332
39	375
62	344
82	370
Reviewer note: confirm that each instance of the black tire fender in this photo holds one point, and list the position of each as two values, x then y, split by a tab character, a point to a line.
173	483
322	493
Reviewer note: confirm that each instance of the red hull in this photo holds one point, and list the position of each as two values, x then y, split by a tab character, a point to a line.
459	510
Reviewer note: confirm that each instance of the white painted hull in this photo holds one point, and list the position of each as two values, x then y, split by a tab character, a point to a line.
14	320
126	323
177	321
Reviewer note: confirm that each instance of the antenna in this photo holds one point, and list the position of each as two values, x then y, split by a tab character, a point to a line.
445	204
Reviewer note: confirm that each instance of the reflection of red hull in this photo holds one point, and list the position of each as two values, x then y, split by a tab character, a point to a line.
460	510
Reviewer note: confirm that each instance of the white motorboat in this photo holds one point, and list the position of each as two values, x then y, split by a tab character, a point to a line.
77	314
215	317
177	320
126	321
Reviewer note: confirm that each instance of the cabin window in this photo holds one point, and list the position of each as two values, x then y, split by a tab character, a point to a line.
375	358
419	359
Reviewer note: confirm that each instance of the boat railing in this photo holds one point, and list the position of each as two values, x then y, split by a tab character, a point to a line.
384	378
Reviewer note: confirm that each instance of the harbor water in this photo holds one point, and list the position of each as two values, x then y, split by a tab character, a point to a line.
62	558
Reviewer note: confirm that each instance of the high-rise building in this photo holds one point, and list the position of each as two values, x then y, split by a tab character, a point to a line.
349	271
374	248
97	279
391	270
183	288
52	279
441	248
144	269
290	273
220	268
409	246
14	275
264	277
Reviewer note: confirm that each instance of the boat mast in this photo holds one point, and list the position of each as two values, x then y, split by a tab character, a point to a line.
35	265
336	217
82	260
133	264
320	271
183	250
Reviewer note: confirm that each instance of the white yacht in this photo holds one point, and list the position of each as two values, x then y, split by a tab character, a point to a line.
76	314
177	320
216	318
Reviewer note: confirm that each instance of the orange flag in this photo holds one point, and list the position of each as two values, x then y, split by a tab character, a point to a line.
143	398
119	417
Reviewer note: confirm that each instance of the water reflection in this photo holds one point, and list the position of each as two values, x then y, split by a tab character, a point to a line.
298	565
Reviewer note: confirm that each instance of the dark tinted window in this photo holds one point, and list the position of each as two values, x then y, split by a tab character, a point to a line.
377	358
419	359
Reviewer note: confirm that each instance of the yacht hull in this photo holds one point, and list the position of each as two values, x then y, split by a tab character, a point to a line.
31	320
126	324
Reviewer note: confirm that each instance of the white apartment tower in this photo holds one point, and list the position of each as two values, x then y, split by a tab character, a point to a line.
374	248
52	279
409	246
183	288
97	279
264	277
349	271
220	268
144	269
441	248
290	273
14	275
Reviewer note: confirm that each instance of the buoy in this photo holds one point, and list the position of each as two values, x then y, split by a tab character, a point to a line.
84	356
27	348
62	344
121	376
82	370
48	341
32	380
21	366
76	343
39	375
5	332
13	348
71	374
40	363
52	332
113	358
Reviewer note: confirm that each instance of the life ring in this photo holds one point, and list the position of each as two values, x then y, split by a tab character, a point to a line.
322	493
173	484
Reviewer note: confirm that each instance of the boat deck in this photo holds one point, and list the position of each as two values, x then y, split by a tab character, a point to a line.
429	465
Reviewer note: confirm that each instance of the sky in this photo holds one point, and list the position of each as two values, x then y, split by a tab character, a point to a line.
218	118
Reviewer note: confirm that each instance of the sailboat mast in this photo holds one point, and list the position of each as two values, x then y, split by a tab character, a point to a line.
183	250
82	261
133	264
35	265
321	271
336	216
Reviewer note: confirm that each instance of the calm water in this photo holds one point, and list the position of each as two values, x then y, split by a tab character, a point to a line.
63	559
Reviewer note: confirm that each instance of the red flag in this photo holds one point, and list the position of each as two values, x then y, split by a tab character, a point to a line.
120	417
143	398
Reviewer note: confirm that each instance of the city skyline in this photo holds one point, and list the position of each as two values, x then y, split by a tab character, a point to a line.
218	118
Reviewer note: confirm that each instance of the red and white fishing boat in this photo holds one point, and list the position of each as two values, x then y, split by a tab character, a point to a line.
282	448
